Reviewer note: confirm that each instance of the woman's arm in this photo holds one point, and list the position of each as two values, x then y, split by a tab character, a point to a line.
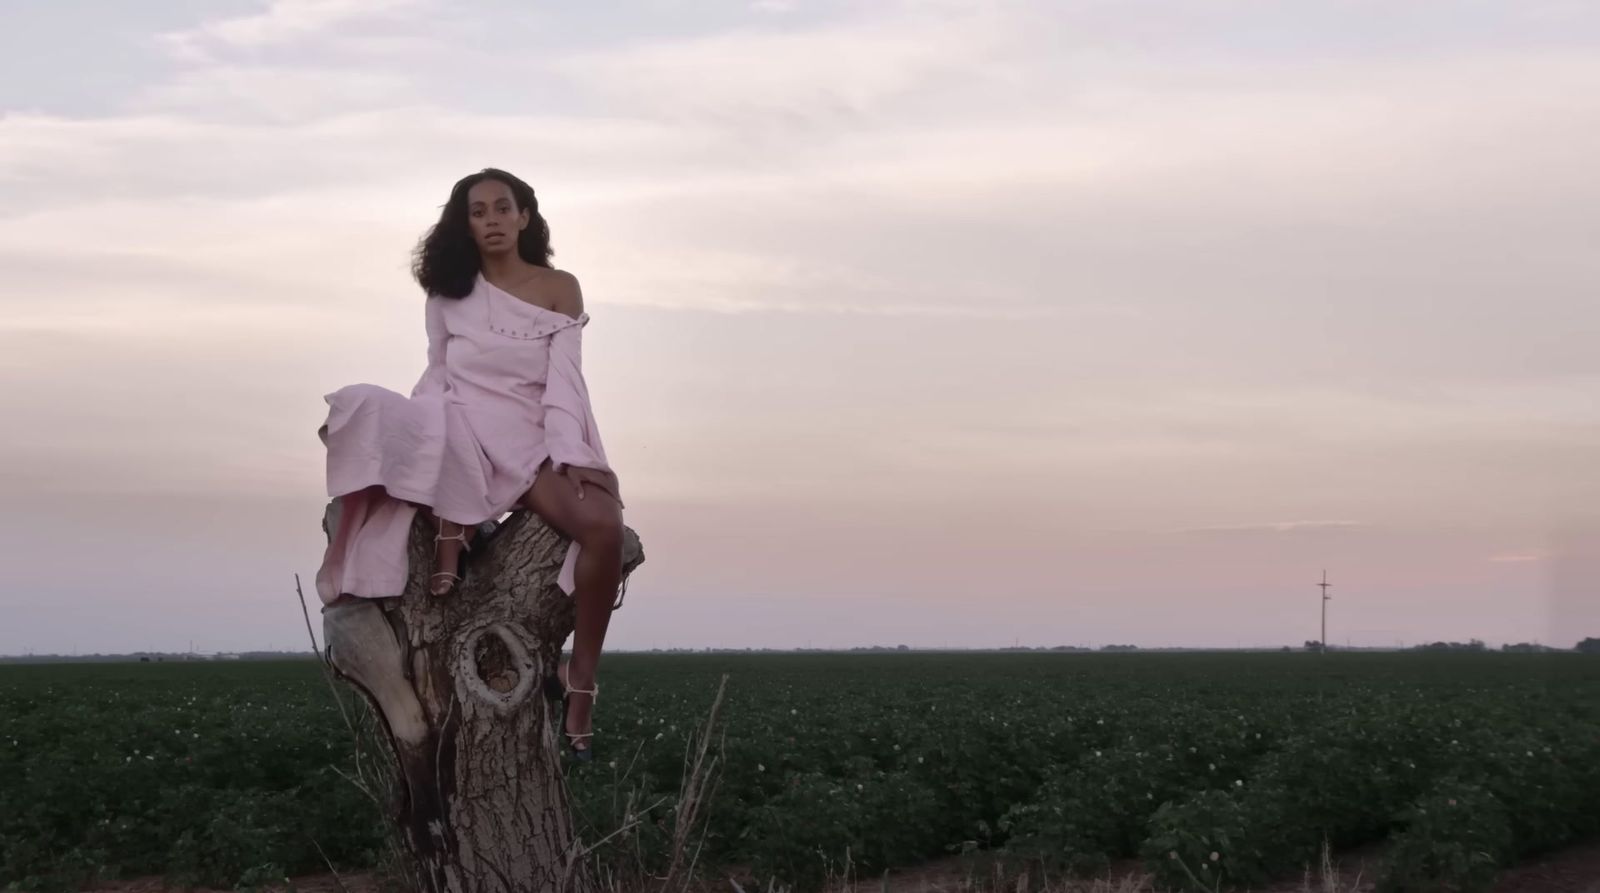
433	377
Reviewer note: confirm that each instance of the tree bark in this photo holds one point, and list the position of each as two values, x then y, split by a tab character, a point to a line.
458	683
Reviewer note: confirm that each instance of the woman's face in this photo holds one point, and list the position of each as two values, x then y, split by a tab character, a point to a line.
492	213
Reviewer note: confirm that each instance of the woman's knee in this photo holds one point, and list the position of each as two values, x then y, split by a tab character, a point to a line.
601	530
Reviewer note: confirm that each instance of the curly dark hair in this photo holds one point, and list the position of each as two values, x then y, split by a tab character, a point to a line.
446	260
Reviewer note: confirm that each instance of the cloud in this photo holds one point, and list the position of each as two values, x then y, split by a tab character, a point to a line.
1276	527
272	94
1520	557
282	22
768	81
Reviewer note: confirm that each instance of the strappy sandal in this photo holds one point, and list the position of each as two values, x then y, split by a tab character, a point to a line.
457	577
556	688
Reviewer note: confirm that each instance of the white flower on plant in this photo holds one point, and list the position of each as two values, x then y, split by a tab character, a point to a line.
1215	855
1213	766
761	767
1238	782
860	788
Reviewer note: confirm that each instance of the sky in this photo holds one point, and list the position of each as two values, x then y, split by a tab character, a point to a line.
924	322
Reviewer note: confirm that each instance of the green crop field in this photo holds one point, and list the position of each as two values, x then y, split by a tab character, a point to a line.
1230	767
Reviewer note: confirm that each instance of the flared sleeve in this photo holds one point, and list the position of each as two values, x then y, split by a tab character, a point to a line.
570	432
432	382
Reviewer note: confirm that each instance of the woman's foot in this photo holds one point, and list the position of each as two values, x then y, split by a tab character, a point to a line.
580	712
449	545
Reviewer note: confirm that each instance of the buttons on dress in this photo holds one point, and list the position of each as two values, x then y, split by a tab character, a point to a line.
527	321
539	331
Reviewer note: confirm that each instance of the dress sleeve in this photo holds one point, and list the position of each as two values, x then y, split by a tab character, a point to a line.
570	432
432	381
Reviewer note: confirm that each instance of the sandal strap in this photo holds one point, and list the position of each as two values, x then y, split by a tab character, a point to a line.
593	693
561	677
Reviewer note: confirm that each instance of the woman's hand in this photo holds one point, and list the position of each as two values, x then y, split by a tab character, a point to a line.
598	478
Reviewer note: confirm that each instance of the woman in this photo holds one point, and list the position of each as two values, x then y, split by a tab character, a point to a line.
499	421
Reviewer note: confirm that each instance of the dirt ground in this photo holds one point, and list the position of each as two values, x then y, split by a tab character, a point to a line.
1573	870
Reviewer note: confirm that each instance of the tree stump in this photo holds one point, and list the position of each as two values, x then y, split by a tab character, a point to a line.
458	683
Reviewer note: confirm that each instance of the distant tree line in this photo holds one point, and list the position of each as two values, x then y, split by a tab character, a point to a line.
1587	646
146	657
1590	645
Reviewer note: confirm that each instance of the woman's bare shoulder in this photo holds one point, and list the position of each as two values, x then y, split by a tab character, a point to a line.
567	293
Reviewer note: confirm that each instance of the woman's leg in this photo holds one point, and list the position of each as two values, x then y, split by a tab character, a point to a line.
595	522
447	553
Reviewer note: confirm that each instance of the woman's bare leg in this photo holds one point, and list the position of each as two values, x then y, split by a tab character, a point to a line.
446	553
595	522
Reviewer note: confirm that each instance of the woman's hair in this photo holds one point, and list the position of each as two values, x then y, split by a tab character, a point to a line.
446	261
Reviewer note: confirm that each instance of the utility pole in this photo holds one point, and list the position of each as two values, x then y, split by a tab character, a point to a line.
1325	599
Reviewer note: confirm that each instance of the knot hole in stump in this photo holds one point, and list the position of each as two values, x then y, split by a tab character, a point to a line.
497	668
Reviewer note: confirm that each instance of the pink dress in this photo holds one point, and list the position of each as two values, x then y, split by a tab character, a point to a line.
503	391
